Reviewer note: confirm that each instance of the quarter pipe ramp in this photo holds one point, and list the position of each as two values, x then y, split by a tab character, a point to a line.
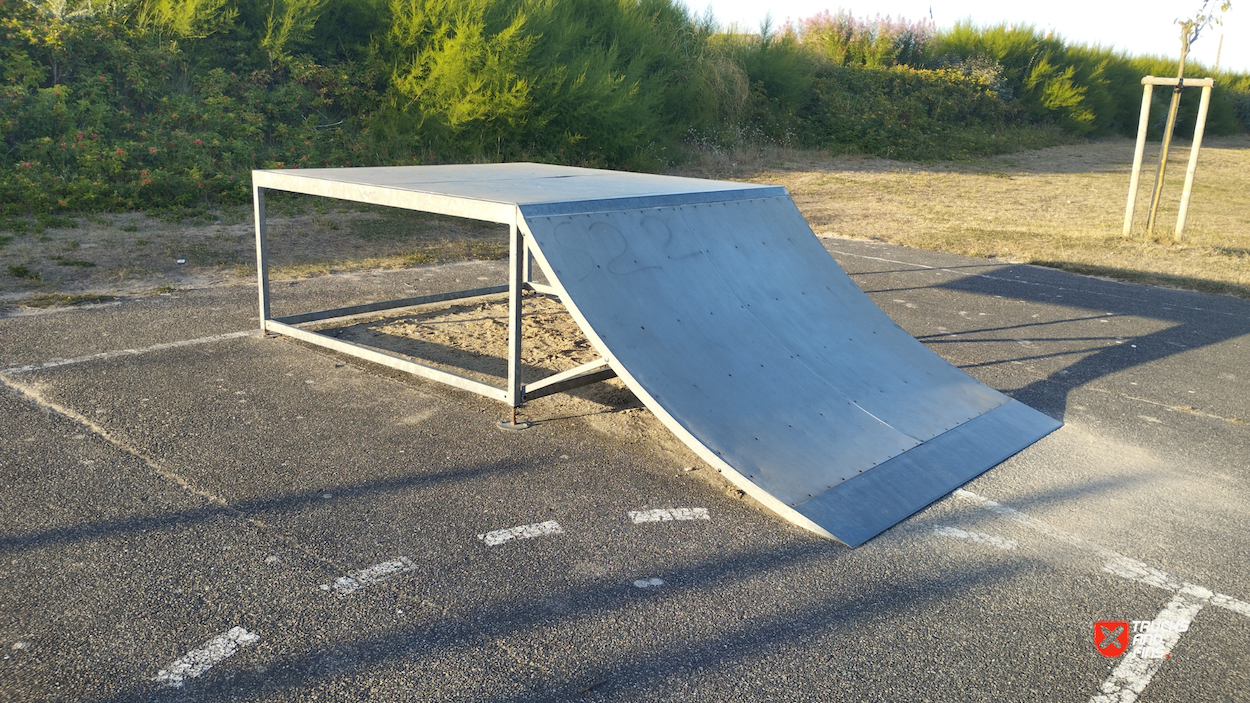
722	312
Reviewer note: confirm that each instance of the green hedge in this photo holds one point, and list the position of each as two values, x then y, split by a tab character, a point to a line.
902	111
123	128
1084	89
154	104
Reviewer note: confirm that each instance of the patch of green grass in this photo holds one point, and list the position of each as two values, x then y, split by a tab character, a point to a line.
129	227
72	245
164	289
21	271
54	221
419	258
142	242
56	300
19	225
5	239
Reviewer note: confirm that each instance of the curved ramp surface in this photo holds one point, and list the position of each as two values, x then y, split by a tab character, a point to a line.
734	326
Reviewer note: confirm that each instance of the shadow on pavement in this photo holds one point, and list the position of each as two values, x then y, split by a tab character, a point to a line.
285	674
1191	321
12	544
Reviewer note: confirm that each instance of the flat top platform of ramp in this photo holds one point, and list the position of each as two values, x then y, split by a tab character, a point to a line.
492	192
721	311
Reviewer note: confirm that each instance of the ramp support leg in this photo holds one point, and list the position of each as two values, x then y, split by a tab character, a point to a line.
262	254
518	253
527	273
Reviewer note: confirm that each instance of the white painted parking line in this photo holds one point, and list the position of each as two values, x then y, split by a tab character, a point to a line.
668	514
1118	564
124	352
198	661
1133	673
978	537
538	529
1135	570
349	584
1229	603
646	583
1131	676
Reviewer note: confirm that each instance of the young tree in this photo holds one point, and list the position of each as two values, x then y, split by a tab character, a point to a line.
1191	28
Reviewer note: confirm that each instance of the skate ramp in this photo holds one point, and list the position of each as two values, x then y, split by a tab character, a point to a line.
723	313
737	329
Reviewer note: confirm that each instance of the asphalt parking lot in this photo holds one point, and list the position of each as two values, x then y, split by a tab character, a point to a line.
190	511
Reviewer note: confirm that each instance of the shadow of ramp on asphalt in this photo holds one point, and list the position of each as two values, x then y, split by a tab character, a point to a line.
1201	285
758	639
12	544
287	674
1191	321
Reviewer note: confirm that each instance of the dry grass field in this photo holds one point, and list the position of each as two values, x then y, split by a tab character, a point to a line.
133	254
1061	207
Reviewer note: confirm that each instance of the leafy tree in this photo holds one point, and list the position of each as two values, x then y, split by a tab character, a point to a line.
289	25
182	19
460	65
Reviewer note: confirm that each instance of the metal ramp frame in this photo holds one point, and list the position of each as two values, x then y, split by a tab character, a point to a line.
718	307
521	278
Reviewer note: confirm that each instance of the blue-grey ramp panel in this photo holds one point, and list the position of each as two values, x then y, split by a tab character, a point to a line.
738	330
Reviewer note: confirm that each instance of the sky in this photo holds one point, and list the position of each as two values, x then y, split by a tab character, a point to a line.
1141	27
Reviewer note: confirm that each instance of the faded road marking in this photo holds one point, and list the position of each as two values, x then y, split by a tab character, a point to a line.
1131	676
346	585
667	514
1134	570
198	661
124	352
1118	564
978	537
538	529
644	583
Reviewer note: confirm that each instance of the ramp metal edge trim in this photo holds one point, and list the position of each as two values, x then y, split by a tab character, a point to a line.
907	483
582	207
404	199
